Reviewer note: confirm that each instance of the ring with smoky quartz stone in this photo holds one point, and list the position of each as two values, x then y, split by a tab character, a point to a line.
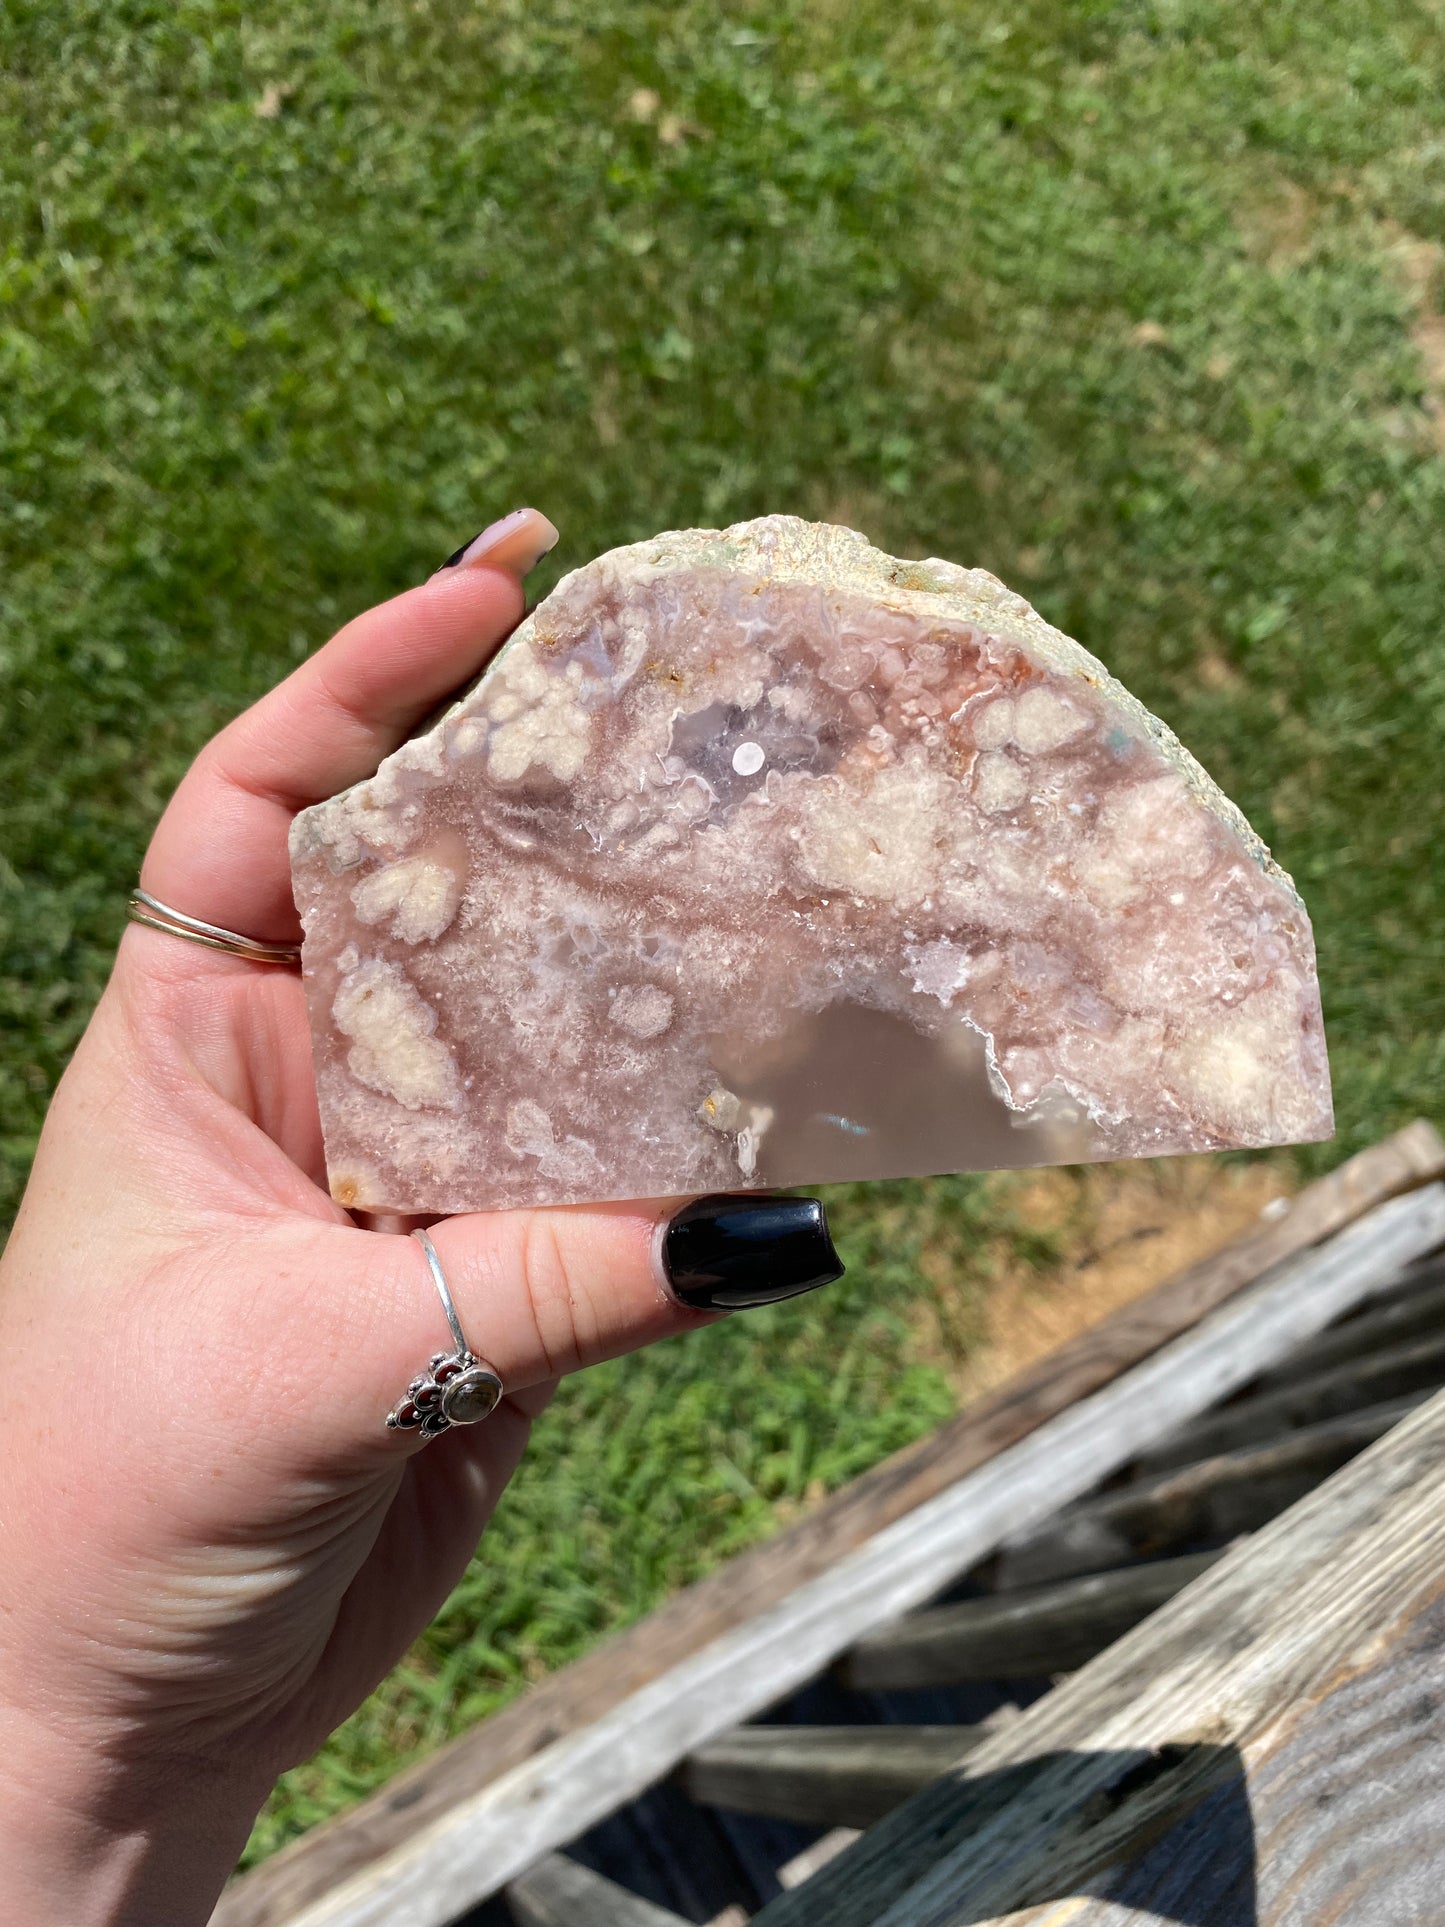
155	915
457	1388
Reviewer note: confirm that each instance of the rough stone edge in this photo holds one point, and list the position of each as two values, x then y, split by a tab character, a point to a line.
784	548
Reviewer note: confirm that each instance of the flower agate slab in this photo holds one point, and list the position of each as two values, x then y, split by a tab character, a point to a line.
760	858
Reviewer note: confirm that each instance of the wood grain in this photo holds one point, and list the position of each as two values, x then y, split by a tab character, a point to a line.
1211	1501
1344	1814
826	1776
1018	1635
358	1845
1417	1365
1090	1775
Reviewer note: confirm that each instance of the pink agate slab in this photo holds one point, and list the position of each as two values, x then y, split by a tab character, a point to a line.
760	858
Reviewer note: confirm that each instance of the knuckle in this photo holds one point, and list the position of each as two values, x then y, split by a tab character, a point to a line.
549	1289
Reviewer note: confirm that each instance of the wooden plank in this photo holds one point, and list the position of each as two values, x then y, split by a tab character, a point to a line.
825	1776
1163	1719
1338	1815
1208	1502
1039	1630
1348	1794
1416	1366
1414	1314
1425	1271
559	1892
358	1845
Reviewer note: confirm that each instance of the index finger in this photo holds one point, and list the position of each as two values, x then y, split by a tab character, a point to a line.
219	852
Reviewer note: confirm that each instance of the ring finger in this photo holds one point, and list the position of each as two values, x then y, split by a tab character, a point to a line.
220	850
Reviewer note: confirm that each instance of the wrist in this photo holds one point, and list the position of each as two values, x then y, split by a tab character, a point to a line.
95	1842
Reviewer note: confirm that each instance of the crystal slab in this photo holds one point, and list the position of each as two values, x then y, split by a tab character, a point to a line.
759	858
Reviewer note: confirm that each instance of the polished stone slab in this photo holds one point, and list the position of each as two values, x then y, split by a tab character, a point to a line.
761	858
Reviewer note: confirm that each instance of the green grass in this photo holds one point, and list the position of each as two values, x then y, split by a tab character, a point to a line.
1115	299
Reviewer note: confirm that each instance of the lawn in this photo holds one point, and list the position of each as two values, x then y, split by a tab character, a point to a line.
1137	305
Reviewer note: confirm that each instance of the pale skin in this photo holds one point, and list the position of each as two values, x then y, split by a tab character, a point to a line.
211	1549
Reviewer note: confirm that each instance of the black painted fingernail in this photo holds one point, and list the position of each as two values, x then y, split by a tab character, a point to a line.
726	1253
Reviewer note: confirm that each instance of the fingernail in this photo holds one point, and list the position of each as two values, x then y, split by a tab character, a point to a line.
726	1253
517	544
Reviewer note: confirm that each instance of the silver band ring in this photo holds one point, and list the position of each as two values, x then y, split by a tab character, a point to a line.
155	915
457	1388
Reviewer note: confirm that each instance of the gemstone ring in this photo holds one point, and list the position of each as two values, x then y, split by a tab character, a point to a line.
457	1387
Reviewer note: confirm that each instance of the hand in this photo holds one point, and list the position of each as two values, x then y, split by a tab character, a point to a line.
210	1547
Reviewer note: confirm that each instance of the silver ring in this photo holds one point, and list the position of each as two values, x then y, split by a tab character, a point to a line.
458	1387
155	915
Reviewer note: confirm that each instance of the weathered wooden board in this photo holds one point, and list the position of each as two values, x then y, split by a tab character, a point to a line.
1209	1502
1017	1635
374	1841
1341	1823
559	1892
480	1840
1417	1365
1424	1271
1171	1715
826	1776
1415	1314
